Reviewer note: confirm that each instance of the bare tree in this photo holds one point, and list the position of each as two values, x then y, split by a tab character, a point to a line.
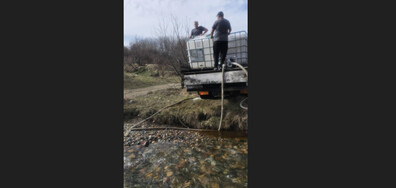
168	50
172	36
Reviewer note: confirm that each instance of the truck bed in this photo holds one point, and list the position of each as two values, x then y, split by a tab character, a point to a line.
202	71
198	80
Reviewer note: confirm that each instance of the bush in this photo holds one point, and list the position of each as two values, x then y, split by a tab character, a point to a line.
129	68
154	74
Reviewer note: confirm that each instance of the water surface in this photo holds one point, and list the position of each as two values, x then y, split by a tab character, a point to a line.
213	159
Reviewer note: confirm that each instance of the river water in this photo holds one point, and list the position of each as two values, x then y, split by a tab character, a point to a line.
204	159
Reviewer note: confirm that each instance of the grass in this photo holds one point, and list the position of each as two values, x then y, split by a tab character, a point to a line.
146	78
191	113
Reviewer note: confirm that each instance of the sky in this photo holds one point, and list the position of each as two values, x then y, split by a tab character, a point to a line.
141	17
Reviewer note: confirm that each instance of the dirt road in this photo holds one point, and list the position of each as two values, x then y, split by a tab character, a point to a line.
132	93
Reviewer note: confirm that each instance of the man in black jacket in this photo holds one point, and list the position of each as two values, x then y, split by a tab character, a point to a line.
220	40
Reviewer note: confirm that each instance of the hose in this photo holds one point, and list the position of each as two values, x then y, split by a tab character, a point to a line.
222	96
244	70
130	128
222	91
240	104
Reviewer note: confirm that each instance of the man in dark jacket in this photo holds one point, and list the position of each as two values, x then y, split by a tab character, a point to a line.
220	40
197	31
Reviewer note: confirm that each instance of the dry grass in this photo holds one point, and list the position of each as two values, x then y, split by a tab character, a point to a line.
190	113
145	76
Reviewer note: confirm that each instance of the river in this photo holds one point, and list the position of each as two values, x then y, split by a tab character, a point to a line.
199	159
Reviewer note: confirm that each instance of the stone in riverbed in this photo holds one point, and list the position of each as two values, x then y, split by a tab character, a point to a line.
186	184
191	159
144	143
204	180
236	180
131	156
244	151
203	169
214	185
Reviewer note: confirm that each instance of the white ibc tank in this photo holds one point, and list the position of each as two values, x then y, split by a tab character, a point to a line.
200	50
238	47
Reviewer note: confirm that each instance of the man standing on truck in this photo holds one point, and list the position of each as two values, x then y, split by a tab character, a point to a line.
197	31
220	40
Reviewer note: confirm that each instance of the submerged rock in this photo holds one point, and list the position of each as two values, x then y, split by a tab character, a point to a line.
213	163
132	156
214	185
186	184
144	143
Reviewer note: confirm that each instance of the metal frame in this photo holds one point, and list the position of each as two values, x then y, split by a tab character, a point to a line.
238	54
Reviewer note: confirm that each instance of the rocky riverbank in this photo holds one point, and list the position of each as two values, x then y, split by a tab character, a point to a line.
145	138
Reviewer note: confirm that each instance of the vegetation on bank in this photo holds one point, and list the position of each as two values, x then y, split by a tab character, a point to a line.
194	113
147	75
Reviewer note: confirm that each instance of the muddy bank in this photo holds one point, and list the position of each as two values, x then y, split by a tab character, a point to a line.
194	113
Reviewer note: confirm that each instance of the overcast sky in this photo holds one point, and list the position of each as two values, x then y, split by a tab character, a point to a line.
141	17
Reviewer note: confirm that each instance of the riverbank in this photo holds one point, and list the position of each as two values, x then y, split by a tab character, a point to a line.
192	113
145	137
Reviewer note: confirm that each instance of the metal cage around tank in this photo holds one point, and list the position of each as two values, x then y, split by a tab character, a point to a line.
200	50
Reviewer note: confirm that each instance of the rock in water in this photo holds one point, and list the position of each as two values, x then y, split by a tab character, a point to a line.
144	143
214	185
186	184
131	156
213	163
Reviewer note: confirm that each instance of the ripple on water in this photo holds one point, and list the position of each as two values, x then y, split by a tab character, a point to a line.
214	162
